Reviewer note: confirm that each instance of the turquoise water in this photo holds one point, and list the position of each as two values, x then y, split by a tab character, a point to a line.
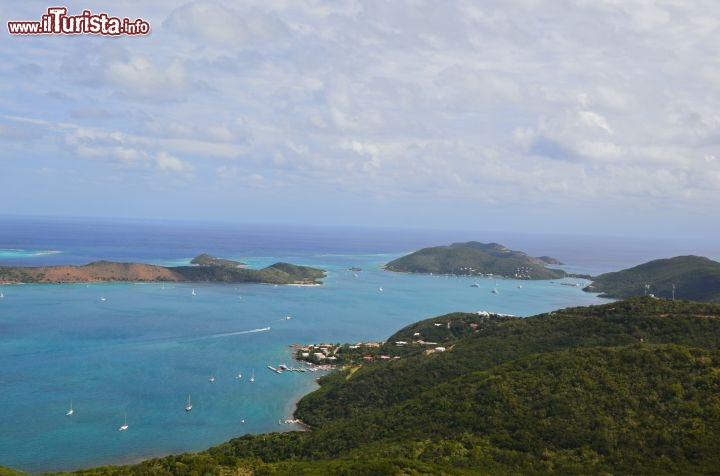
137	351
140	349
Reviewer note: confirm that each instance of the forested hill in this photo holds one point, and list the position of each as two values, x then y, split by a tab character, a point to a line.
693	277
630	387
474	258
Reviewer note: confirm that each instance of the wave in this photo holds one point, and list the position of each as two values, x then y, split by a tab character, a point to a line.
20	253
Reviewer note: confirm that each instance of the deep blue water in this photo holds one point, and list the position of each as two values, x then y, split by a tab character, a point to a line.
138	350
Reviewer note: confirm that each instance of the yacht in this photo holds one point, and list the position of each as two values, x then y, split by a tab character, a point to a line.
124	426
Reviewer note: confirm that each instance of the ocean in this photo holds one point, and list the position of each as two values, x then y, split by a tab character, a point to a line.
135	352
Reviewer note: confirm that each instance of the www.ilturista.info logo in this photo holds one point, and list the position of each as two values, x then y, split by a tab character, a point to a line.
58	22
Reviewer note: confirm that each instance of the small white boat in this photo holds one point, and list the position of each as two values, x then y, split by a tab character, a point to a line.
103	299
211	379
380	289
495	291
70	410
193	292
287	318
239	376
252	375
124	426
188	406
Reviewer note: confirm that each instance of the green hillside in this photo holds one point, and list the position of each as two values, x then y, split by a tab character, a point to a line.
474	258
693	277
631	387
278	273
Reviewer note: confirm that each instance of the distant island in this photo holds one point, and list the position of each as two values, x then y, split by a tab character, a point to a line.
476	259
205	268
687	277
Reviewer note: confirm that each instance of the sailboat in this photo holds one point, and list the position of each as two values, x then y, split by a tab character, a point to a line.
70	410
2	295
212	378
239	376
252	375
193	292
188	406
124	425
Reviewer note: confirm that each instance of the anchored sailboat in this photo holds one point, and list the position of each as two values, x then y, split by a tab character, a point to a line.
70	410
188	406
124	426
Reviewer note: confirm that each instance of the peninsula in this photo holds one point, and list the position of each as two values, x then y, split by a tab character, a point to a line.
684	277
475	259
628	387
205	268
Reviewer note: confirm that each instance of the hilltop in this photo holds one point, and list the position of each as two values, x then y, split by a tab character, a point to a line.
207	269
693	277
474	258
629	387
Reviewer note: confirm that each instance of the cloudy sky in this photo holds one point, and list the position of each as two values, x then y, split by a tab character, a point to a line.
566	115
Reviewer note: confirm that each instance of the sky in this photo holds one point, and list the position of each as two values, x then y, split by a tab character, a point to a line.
572	116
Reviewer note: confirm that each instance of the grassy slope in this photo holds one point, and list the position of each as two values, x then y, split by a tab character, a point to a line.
107	271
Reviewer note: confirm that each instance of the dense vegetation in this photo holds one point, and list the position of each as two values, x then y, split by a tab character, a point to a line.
631	387
278	273
693	277
205	259
474	259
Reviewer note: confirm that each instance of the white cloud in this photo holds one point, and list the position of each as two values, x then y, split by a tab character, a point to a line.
599	101
168	163
212	21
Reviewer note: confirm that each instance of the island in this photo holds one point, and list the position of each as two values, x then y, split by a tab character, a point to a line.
475	259
629	387
688	277
206	268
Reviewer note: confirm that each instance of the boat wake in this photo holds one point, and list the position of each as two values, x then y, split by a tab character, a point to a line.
236	333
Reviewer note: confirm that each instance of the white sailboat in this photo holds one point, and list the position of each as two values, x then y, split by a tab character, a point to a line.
124	426
70	410
239	376
188	406
193	292
252	375
212	378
